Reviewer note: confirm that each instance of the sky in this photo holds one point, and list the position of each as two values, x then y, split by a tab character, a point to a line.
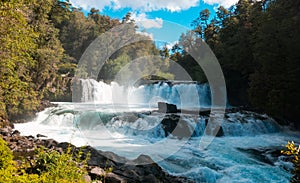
163	20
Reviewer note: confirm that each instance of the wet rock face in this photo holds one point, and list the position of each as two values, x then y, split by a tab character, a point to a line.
178	127
141	169
105	166
167	108
169	123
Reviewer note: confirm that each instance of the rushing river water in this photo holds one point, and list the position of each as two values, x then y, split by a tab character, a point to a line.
247	151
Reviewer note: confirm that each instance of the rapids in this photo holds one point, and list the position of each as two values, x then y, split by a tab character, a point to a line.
123	120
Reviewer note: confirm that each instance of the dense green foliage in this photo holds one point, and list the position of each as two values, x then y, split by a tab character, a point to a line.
47	166
294	151
41	43
17	40
257	44
30	56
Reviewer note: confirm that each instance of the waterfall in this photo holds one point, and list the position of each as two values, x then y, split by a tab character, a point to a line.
181	94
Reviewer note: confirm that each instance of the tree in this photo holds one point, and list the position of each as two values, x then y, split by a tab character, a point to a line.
177	53
49	51
274	87
127	18
17	44
164	52
76	34
201	22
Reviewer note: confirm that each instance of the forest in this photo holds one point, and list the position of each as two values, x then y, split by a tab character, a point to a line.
256	42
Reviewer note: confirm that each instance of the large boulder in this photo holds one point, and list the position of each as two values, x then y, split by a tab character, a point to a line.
177	126
167	108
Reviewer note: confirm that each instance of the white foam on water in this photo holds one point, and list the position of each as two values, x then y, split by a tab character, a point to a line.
226	159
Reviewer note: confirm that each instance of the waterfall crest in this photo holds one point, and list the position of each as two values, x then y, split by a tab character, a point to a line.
181	94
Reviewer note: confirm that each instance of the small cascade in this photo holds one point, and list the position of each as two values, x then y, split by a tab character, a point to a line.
249	124
158	125
184	95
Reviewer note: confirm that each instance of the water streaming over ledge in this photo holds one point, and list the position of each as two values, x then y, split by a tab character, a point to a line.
187	94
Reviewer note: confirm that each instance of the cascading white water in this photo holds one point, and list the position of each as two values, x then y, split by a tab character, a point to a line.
133	123
182	95
108	124
130	134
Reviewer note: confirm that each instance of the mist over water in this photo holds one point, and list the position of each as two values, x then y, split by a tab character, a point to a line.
123	120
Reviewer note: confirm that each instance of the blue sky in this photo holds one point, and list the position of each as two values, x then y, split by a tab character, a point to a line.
163	20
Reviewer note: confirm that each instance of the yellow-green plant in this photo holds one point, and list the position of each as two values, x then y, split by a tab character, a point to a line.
48	166
8	169
55	167
293	150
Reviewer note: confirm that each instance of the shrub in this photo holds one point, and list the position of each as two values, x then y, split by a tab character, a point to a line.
47	166
293	150
55	167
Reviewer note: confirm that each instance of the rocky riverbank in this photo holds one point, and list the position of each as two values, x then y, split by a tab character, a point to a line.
142	169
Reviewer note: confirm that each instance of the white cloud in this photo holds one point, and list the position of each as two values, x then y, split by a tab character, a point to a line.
88	4
225	3
141	5
143	22
170	45
150	35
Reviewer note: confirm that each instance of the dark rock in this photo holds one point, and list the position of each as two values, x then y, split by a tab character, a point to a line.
220	132
5	123
113	178
129	172
59	149
167	108
40	135
66	145
169	123
268	156
206	121
49	143
143	159
213	130
178	127
96	172
99	158
114	157
30	137
205	112
38	141
183	129
16	133
150	179
5	131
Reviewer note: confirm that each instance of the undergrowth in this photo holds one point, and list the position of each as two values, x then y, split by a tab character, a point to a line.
46	166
